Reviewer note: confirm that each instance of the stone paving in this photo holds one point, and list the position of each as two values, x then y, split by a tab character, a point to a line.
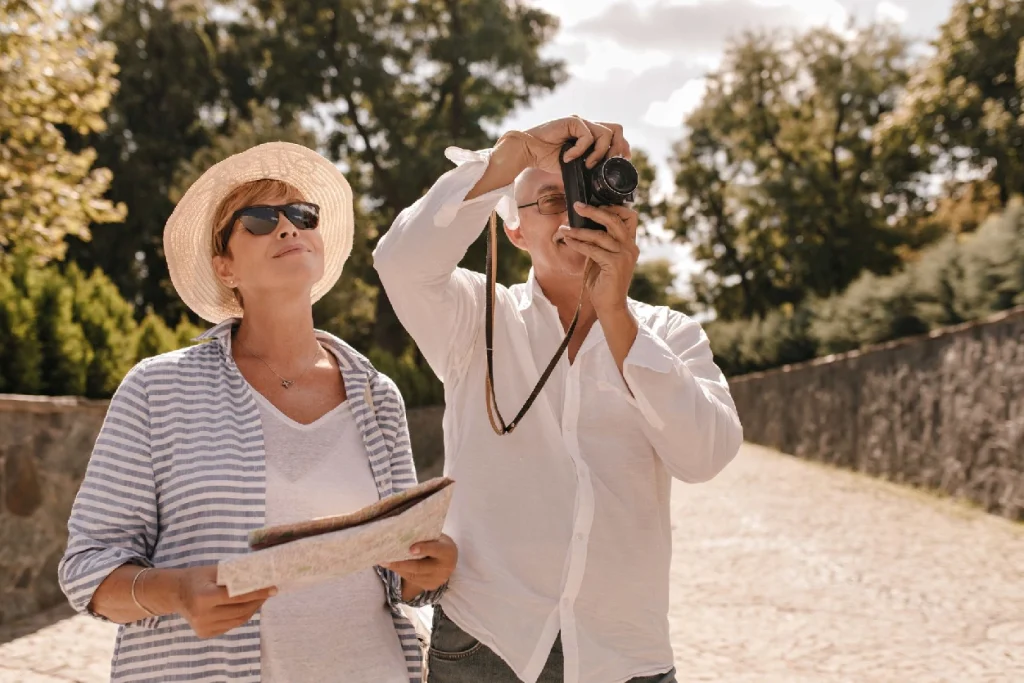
784	572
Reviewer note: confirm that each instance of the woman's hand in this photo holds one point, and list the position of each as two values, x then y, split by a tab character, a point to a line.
206	605
431	570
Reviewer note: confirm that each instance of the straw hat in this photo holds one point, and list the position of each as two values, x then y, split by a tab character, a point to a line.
188	243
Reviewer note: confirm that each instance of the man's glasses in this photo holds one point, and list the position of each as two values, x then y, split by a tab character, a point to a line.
261	219
548	205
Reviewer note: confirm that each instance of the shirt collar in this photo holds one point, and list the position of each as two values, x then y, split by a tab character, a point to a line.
530	287
349	360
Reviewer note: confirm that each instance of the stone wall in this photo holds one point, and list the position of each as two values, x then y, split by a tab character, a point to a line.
45	444
944	412
44	447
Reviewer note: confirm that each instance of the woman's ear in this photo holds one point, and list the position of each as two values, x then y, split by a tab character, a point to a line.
224	268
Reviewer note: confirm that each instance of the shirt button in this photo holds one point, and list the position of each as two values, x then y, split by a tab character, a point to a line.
579	537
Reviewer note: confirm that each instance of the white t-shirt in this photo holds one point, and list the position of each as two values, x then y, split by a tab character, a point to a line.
339	630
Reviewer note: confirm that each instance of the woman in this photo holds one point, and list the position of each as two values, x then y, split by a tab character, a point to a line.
268	422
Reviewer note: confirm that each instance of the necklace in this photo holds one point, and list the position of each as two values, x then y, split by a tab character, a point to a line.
286	383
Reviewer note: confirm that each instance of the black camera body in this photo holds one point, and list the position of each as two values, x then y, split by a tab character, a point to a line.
612	182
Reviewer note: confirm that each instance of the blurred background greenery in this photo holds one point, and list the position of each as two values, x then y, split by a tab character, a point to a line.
838	187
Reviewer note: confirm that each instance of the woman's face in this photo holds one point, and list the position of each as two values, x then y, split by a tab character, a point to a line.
288	261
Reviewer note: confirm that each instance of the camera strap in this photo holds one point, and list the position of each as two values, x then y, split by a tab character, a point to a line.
493	414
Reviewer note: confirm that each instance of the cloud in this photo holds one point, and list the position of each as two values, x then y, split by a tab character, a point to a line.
887	11
703	26
916	18
671	112
642	63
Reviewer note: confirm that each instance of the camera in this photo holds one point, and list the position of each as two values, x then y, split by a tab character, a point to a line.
611	182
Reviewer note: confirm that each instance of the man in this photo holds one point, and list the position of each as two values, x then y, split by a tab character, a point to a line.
563	524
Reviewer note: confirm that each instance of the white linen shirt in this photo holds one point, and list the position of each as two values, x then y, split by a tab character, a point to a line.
563	525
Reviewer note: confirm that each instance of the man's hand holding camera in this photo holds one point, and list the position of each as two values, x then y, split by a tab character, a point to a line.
614	252
541	146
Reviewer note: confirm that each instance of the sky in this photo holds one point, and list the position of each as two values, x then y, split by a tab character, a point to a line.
640	63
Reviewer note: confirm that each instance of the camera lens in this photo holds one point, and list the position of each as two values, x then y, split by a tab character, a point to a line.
615	180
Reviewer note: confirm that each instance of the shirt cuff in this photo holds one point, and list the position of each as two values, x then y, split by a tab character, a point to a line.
471	167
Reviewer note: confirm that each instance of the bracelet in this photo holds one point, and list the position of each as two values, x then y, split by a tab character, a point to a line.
135	599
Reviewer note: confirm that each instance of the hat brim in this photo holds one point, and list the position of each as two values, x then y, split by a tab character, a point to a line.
188	243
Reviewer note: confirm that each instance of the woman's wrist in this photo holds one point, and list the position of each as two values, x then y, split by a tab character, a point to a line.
410	590
159	591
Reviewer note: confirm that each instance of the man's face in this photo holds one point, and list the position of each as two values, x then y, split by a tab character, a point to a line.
539	223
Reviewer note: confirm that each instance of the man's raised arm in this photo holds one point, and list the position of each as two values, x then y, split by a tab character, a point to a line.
438	303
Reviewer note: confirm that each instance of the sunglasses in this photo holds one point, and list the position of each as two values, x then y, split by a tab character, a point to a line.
262	219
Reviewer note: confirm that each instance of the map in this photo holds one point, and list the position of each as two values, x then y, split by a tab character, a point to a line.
329	547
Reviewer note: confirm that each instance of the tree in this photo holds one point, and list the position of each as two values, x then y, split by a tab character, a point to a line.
963	110
108	322
66	355
56	75
20	354
174	98
653	284
385	85
63	333
779	185
154	336
398	82
960	278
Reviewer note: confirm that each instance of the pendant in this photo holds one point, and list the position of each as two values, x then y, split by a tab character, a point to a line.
286	383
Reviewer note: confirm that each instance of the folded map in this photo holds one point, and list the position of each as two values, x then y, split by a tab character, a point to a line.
330	547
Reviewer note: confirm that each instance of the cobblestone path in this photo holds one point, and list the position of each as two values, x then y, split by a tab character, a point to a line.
784	572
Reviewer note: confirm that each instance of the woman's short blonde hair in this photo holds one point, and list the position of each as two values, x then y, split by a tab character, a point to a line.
246	194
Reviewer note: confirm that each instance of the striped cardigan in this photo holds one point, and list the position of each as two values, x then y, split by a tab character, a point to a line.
177	479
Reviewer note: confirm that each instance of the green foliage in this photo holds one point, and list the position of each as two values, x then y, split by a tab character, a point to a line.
155	337
56	75
418	384
185	333
956	280
779	186
779	338
993	265
66	353
653	284
389	86
397	83
175	94
62	333
19	341
872	310
963	112
109	326
644	204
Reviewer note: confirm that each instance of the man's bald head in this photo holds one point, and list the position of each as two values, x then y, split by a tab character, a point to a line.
533	183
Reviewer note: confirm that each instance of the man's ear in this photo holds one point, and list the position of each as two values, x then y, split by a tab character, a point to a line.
515	236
